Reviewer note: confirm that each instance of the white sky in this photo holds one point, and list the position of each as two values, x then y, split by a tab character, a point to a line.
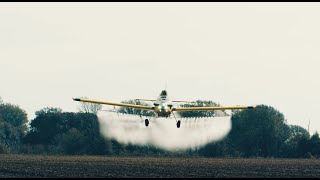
231	53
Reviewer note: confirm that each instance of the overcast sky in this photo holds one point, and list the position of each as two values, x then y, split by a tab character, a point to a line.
230	53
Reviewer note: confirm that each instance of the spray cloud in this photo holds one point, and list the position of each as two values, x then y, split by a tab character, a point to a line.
162	132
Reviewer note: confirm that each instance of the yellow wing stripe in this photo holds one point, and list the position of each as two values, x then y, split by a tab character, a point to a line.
212	108
114	104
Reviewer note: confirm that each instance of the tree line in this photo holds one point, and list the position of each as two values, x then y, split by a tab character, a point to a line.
262	132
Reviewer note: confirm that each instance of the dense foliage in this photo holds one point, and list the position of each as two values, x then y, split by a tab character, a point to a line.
12	127
262	132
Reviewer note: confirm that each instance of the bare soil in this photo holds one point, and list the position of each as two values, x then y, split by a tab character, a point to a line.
105	167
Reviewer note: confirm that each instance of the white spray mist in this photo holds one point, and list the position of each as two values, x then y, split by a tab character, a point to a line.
162	132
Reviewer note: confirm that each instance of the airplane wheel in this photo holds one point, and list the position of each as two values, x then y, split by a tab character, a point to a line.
146	122
178	124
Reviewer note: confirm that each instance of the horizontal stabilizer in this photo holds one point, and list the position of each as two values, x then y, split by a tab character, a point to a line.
144	99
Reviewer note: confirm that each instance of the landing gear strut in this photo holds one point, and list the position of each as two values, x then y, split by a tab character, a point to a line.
146	122
178	122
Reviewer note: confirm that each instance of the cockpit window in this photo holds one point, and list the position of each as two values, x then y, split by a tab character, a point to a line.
163	94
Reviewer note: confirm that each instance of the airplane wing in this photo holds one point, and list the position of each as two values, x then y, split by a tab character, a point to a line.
211	108
114	104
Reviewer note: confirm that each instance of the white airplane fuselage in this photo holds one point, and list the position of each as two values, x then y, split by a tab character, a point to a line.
163	106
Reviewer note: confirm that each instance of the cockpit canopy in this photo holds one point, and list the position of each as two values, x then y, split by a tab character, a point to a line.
163	94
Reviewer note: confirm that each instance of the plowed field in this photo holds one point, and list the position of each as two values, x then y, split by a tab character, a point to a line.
102	166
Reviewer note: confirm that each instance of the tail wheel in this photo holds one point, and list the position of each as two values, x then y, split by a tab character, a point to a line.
146	122
178	124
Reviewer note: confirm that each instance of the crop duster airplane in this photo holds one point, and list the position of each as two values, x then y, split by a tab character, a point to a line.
163	106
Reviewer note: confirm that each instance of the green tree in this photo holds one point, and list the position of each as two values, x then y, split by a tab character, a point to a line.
314	144
86	107
309	146
9	137
298	130
216	149
303	146
259	132
200	103
74	133
118	148
47	110
13	127
142	112
73	141
297	133
14	115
